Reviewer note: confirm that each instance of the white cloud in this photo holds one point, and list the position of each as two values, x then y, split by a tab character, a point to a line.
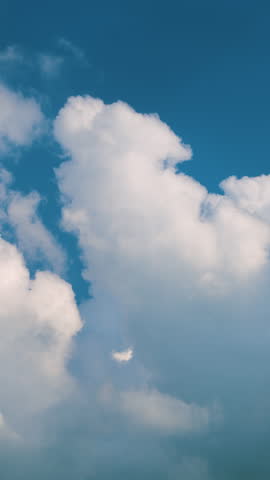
139	226
20	119
123	356
20	213
250	194
180	264
32	236
130	208
38	319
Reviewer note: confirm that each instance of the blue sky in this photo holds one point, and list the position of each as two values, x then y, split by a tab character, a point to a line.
135	236
202	66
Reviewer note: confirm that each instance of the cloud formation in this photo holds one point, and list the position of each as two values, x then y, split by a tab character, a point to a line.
187	270
124	356
139	207
164	413
38	319
20	119
19	215
50	65
74	50
11	54
177	272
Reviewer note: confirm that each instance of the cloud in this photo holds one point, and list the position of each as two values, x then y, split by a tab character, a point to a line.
50	65
20	119
184	274
74	50
139	209
11	54
6	433
38	319
164	413
121	199
124	356
250	194
177	272
32	236
38	322
19	213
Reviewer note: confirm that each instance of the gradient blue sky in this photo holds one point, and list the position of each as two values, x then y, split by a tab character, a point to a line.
203	66
192	401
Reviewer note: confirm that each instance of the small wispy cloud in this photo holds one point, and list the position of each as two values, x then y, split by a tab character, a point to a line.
74	50
124	356
50	65
11	53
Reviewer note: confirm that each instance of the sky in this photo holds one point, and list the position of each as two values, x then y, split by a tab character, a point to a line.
134	240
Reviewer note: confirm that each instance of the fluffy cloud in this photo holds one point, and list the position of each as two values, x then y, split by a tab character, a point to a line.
250	194
38	319
20	119
38	322
124	356
180	274
125	211
188	271
137	208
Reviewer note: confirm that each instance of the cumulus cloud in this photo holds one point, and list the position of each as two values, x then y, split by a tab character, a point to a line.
20	119
188	271
177	272
138	206
125	214
38	319
123	356
250	194
38	322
